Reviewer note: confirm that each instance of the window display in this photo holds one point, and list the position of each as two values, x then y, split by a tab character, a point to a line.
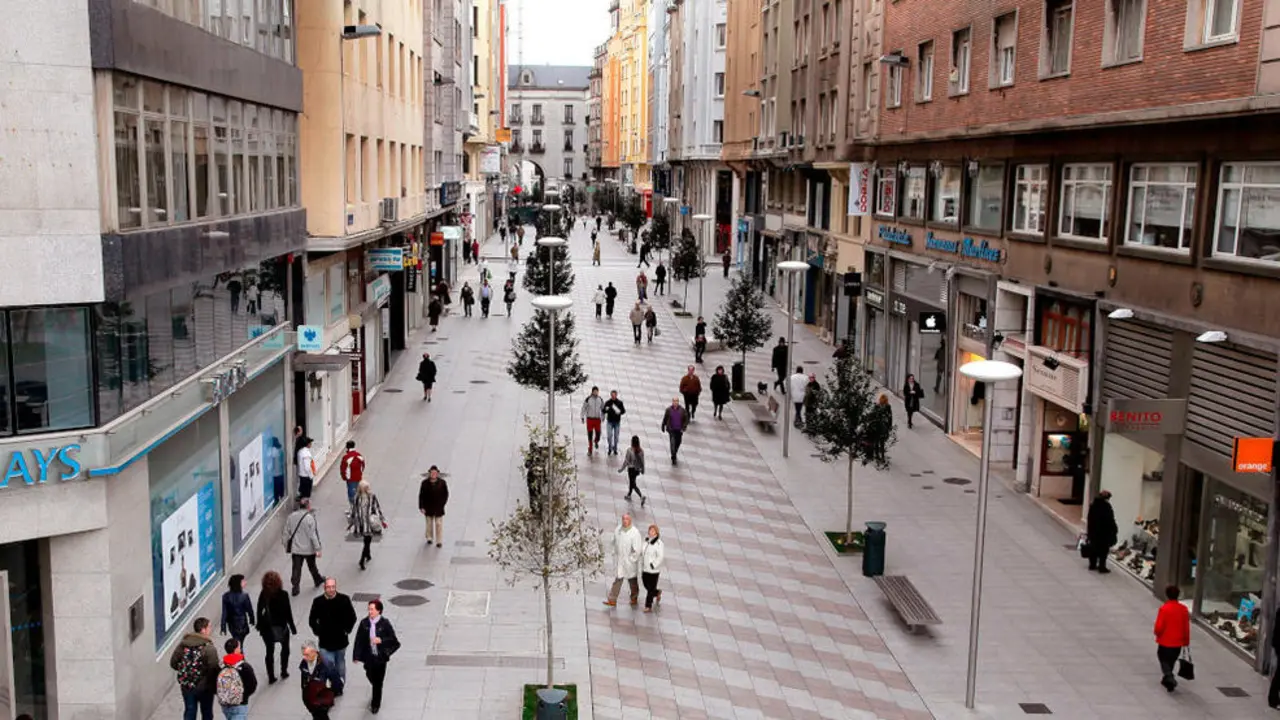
1134	474
257	453
1234	565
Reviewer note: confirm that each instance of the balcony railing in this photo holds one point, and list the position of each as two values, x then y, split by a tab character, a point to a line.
537	148
568	147
515	119
568	121
537	120
517	147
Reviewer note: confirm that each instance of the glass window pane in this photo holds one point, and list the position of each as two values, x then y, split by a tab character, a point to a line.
106	354
203	188
153	98
124	92
159	342
238	197
128	177
51	368
913	196
181	178
257	454
269	180
157	173
253	159
6	394
131	332
182	324
337	297
315	307
1236	547
987	198
946	196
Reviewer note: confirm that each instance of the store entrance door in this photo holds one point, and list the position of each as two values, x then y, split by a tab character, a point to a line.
7	705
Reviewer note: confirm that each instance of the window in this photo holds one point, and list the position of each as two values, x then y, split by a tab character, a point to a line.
537	114
568	114
867	87
717	131
1086	191
537	138
1122	41
893	93
47	352
924	72
475	21
1220	19
886	191
719	84
946	194
824	27
1162	201
986	198
721	35
128	173
1055	56
1030	189
1004	50
1248	220
568	141
913	193
568	167
835	29
960	56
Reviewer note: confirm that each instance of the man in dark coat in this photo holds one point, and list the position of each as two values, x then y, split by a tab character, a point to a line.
427	375
911	394
1101	530
433	494
779	365
610	296
331	618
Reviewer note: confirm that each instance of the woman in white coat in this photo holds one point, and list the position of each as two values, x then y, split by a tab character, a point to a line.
627	546
651	559
599	299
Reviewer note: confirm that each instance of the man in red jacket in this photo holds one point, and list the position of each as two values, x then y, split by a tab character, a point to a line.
352	469
1173	632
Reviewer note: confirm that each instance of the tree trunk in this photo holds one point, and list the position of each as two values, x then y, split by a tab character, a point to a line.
546	602
685	303
848	525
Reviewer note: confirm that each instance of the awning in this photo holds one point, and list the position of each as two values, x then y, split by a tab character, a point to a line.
816	261
318	362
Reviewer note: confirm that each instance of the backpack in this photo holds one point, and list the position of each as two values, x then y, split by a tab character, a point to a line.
230	686
191	668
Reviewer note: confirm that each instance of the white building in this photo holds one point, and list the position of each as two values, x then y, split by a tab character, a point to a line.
659	94
702	38
547	113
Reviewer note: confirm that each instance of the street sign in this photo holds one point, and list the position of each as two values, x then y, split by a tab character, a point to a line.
385	259
310	338
503	135
852	283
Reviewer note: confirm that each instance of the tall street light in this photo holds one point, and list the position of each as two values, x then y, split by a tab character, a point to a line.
673	204
791	268
551	244
702	219
987	372
554	211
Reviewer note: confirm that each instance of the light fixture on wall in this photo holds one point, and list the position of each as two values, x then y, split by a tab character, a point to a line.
972	166
902	167
1051	362
751	93
1212	336
935	168
1121	314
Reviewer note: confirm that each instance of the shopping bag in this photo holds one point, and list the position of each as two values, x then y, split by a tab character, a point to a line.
1186	667
1082	544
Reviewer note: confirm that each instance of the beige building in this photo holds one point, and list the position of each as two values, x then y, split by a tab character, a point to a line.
483	163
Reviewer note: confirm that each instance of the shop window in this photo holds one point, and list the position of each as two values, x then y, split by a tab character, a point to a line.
1085	202
1030	192
47	353
316	303
913	192
946	194
1234	564
1135	476
1248	225
886	191
986	198
1162	200
258	458
337	292
23	585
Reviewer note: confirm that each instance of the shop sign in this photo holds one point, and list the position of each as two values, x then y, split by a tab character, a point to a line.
859	189
385	259
450	192
897	236
502	135
1252	455
899	307
1064	381
452	232
875	298
491	161
932	323
411	280
970	248
220	386
35	466
1147	417
275	342
437	239
852	284
744	225
380	290
310	338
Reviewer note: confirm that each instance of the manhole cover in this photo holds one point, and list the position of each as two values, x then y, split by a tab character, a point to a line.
365	598
1035	708
915	474
957	481
464	560
479	382
1233	692
970	492
810	362
392	390
430	342
408	600
817	455
414	584
459	392
926	472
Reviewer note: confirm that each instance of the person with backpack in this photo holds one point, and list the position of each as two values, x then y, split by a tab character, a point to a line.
237	609
275	623
301	535
352	469
236	682
375	643
195	659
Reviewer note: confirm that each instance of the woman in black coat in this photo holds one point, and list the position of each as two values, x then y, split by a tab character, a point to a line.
1102	531
275	623
719	392
376	651
911	394
427	375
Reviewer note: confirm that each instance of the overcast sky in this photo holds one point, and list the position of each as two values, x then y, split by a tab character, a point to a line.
557	32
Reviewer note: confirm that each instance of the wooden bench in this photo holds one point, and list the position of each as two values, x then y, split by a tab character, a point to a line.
908	601
762	415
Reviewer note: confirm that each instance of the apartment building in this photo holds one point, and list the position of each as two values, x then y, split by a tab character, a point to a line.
628	51
595	115
483	160
547	111
447	118
1089	190
154	217
742	130
659	92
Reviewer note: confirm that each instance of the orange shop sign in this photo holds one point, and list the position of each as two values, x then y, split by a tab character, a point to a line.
1252	455
437	238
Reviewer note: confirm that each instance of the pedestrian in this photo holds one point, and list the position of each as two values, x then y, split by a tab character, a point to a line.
644	253
503	232
319	682
275	623
306	468
795	388
237	609
351	468
725	260
426	375
475	250
331	618
719	392
1100	531
700	327
674	421
1273	693
699	346
196	661
660	279
779	364
366	520
520	235
881	424
593	413
466	252
911	395
650	323
468	297
442	291
633	463
812	391
301	535
509	297
595	251
637	319
652	556
434	309
375	643
433	495
610	296
236	682
486	275
1173	633
691	388
486	297
614	409
642	286
599	299
842	351
627	545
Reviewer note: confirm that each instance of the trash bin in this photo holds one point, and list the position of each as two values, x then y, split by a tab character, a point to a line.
738	381
552	705
873	550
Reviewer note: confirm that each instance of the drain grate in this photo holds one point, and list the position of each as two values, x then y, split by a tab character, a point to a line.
957	481
1035	708
414	584
916	475
926	487
479	382
459	392
365	598
1233	692
464	543
492	660
463	560
392	390
926	472
970	492
408	600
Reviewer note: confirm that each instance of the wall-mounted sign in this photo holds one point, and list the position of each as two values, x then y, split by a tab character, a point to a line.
1252	455
970	248
275	342
897	236
385	259
219	387
452	232
1151	417
899	307
852	284
933	323
450	192
310	338
859	189
437	239
33	466
875	298
411	280
491	160
1063	381
502	135
380	290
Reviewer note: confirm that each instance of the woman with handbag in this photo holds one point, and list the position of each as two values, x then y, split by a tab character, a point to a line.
375	643
318	681
1173	638
275	623
366	519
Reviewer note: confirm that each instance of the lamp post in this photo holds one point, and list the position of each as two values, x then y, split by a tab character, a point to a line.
702	219
790	267
673	209
988	372
554	211
551	243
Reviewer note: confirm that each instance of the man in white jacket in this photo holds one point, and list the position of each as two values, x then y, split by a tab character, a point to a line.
627	546
795	388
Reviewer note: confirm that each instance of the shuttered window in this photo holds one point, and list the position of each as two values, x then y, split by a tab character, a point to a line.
1233	394
1138	358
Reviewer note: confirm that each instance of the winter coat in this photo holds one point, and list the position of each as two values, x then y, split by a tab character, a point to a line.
274	611
811	391
468	296
720	389
366	652
434	309
1173	625
592	407
323	673
636	316
610	293
598	298
911	394
237	613
509	296
660	273
626	550
427	371
209	658
779	361
432	497
684	418
614	410
651	318
306	541
795	386
634	459
690	385
366	515
652	556
331	621
1101	527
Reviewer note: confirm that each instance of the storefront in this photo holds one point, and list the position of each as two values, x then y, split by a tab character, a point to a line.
918	323
375	336
968	405
874	320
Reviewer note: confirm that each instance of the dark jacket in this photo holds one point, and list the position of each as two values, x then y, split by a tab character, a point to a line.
427	371
366	652
700	329
911	394
331	621
247	676
209	659
274	611
237	613
432	497
660	273
324	673
1101	528
779	358
435	308
684	417
610	294
468	295
614	410
719	389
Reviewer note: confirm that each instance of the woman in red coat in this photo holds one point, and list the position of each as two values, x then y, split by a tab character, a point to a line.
1173	632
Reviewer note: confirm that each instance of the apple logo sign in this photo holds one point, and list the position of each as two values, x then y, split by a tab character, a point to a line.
931	322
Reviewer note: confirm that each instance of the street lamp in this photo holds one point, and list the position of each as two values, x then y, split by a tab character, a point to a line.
551	244
988	372
791	268
702	219
554	210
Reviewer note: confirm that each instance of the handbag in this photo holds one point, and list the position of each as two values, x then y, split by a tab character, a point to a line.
1186	667
1082	544
657	331
317	695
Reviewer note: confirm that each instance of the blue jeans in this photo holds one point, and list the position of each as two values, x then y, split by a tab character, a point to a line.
234	712
612	431
336	659
191	700
351	492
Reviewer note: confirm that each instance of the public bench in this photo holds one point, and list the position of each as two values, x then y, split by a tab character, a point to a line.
766	419
908	601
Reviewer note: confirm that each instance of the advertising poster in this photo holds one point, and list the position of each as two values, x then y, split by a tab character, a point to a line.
252	483
179	535
209	521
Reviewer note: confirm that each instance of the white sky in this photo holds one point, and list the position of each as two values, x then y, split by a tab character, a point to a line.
556	32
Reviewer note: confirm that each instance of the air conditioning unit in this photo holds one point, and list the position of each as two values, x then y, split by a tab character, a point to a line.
390	210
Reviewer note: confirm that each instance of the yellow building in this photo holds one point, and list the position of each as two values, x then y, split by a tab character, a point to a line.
628	57
483	155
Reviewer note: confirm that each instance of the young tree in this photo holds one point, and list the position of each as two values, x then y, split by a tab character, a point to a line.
686	261
531	358
742	321
660	232
846	422
551	541
537	270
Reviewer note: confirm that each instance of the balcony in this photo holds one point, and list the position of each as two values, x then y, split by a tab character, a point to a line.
515	119
568	147
537	148
516	147
537	120
568	121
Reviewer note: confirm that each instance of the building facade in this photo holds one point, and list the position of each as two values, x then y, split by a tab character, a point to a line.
150	280
483	161
547	110
595	126
628	50
659	100
447	117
